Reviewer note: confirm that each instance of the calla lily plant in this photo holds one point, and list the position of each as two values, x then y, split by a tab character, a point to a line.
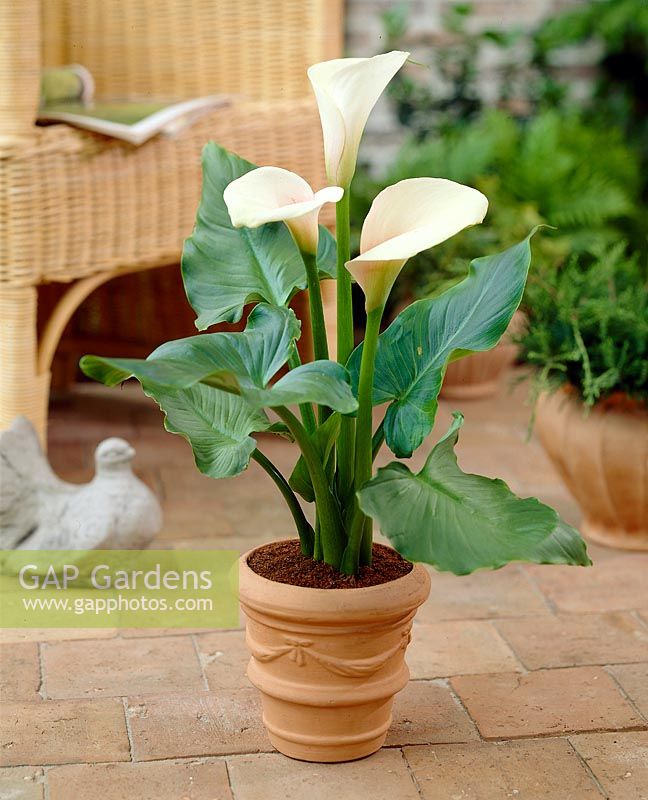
257	242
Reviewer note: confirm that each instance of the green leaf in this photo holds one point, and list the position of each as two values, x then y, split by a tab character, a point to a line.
326	254
224	267
241	363
325	383
281	429
197	382
323	439
216	424
253	356
113	371
414	350
459	522
228	361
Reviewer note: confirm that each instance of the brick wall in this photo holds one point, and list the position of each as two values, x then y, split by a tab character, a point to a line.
364	38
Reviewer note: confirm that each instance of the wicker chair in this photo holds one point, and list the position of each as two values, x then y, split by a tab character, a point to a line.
79	208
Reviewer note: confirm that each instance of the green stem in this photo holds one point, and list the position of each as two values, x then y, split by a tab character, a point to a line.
305	409
330	477
317	549
359	544
377	441
320	345
328	513
318	326
304	528
344	339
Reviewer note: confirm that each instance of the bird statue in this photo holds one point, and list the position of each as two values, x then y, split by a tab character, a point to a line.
39	511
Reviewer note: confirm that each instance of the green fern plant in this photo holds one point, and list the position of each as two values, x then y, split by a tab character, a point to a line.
559	165
588	326
546	170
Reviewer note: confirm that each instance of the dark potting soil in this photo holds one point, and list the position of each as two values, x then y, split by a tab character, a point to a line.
283	562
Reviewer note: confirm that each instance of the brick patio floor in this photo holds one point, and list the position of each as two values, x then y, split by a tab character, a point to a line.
528	683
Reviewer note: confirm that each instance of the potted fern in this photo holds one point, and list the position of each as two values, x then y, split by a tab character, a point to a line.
532	173
329	612
587	338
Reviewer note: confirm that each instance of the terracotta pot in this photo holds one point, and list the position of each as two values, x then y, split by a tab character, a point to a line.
480	375
328	662
603	459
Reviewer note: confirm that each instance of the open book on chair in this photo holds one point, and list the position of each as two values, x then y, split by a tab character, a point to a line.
68	96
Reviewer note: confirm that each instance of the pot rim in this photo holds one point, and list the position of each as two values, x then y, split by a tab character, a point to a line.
618	403
382	601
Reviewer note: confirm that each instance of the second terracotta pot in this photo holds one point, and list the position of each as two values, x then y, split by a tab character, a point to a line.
603	459
480	374
328	662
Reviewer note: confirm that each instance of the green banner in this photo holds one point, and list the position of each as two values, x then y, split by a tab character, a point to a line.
119	589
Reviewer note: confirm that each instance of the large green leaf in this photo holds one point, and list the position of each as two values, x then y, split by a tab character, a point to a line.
323	439
223	267
253	356
326	254
215	423
226	360
459	522
323	382
415	348
241	363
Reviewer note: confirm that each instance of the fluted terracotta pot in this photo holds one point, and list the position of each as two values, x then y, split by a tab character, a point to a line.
603	459
328	662
480	374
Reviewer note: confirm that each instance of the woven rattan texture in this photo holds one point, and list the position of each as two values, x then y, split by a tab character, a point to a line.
185	48
72	203
75	203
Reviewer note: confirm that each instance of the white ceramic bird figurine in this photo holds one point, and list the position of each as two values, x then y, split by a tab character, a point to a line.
39	511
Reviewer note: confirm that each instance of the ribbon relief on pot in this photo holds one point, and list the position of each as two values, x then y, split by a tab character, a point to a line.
300	650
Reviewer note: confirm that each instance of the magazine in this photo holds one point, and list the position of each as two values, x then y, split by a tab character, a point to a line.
67	96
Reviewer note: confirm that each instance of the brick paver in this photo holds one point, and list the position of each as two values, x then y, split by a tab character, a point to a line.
483	595
19	672
224	657
578	639
180	780
152	633
196	724
119	667
383	776
545	702
612	584
619	761
633	679
426	712
16	635
469	723
458	648
22	783
63	731
193	508
532	770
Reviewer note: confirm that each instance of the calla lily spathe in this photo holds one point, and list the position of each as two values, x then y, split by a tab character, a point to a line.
346	90
405	219
272	194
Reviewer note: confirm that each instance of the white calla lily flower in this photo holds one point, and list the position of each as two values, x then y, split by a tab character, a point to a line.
405	219
346	90
272	194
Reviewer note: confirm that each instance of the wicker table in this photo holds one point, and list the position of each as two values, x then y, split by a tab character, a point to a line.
79	208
